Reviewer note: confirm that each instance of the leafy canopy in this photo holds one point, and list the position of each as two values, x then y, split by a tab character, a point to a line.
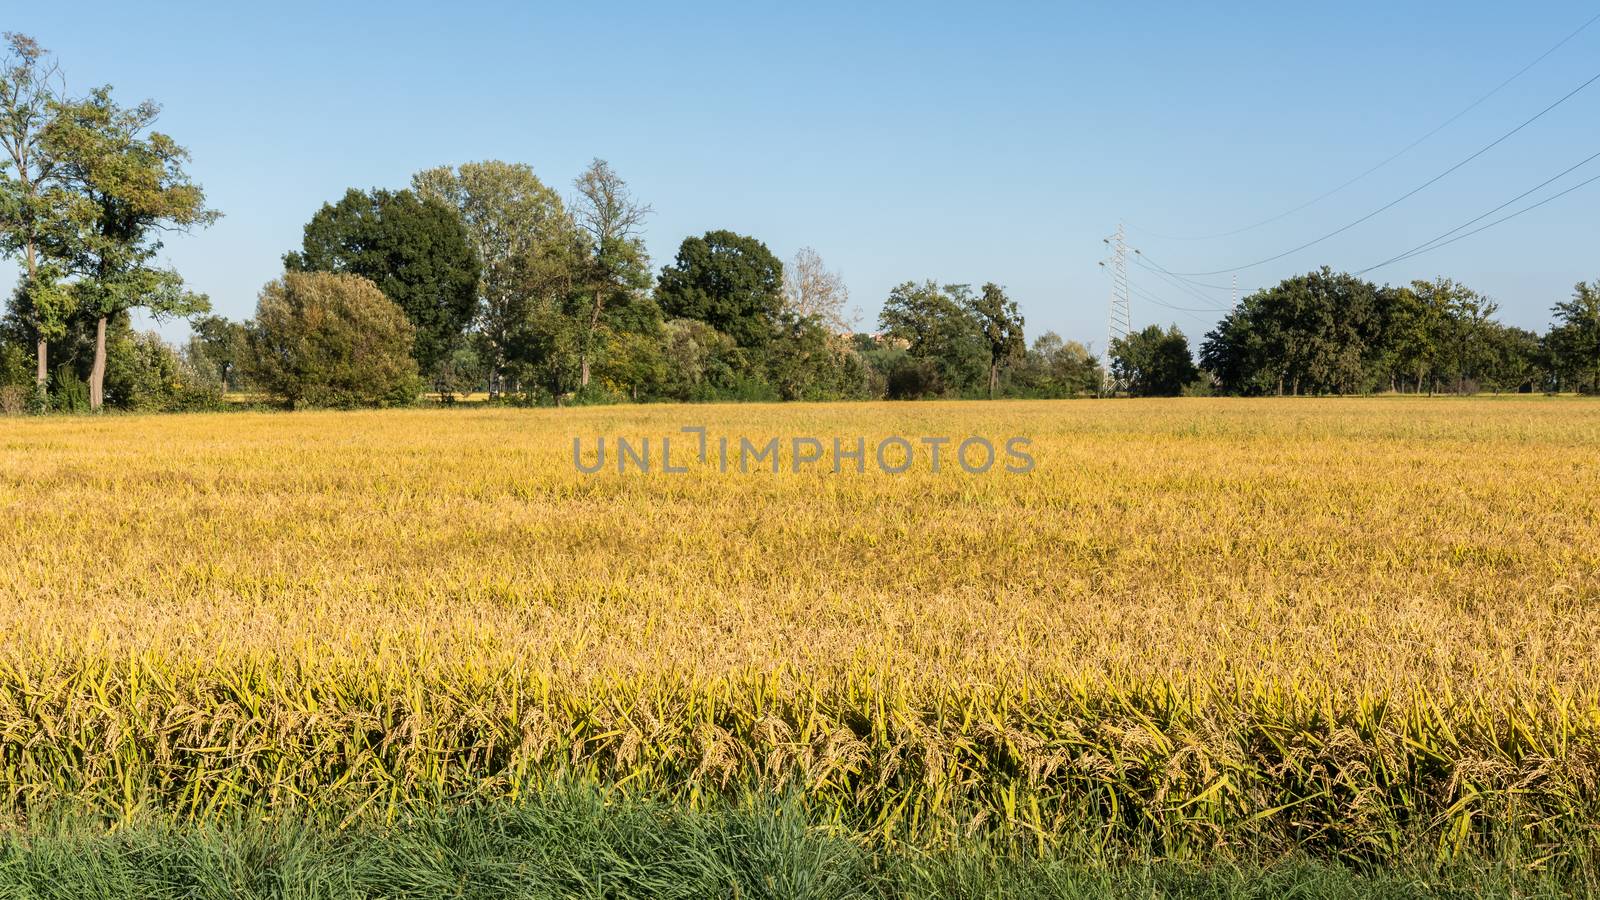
730	281
415	250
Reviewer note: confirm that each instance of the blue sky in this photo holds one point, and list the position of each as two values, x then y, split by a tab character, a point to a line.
960	142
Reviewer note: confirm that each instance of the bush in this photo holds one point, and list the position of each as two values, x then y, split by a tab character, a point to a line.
70	393
913	379
14	399
323	339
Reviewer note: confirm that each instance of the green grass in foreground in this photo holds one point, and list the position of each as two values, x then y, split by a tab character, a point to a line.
572	843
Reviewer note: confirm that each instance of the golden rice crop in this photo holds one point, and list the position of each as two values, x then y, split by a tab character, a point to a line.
1362	627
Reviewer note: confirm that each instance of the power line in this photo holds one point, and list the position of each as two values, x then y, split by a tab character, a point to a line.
1425	246
1395	202
1145	294
1158	268
1177	284
1180	282
1403	151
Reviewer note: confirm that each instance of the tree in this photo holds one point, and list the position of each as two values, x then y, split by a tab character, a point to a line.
810	290
1575	342
807	361
1414	336
523	238
1001	326
219	347
1057	368
1511	359
1153	362
1459	318
135	181
730	281
1315	333
35	209
325	339
415	249
615	267
939	335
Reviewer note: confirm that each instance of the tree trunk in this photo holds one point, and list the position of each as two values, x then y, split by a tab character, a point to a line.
994	379
497	364
41	374
97	375
583	356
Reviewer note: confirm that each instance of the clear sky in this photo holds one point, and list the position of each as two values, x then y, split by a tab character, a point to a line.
961	142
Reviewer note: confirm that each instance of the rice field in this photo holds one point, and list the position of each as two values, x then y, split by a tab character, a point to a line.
1358	629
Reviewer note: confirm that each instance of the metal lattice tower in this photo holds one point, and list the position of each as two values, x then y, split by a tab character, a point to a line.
1120	321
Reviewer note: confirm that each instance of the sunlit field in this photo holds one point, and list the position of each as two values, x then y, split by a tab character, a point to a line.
1361	629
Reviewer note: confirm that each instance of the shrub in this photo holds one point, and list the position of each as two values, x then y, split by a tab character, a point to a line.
324	339
14	399
914	379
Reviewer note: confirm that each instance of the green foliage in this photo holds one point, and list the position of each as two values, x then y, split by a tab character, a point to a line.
1333	333
68	392
525	242
16	368
807	362
416	250
729	281
461	373
941	337
136	183
1315	333
633	365
569	840
40	215
144	373
1574	343
1056	368
1510	359
219	350
701	363
322	339
1153	362
609	266
1000	325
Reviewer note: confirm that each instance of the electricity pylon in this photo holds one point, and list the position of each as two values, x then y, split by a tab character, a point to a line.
1120	321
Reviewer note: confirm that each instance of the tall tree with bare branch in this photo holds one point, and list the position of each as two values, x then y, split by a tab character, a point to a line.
36	210
810	290
616	263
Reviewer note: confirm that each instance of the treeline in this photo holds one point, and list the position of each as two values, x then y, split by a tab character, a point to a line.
503	287
1333	333
472	278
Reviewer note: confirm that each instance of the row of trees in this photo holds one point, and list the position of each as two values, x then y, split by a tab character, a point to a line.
479	277
1327	332
1333	333
508	288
